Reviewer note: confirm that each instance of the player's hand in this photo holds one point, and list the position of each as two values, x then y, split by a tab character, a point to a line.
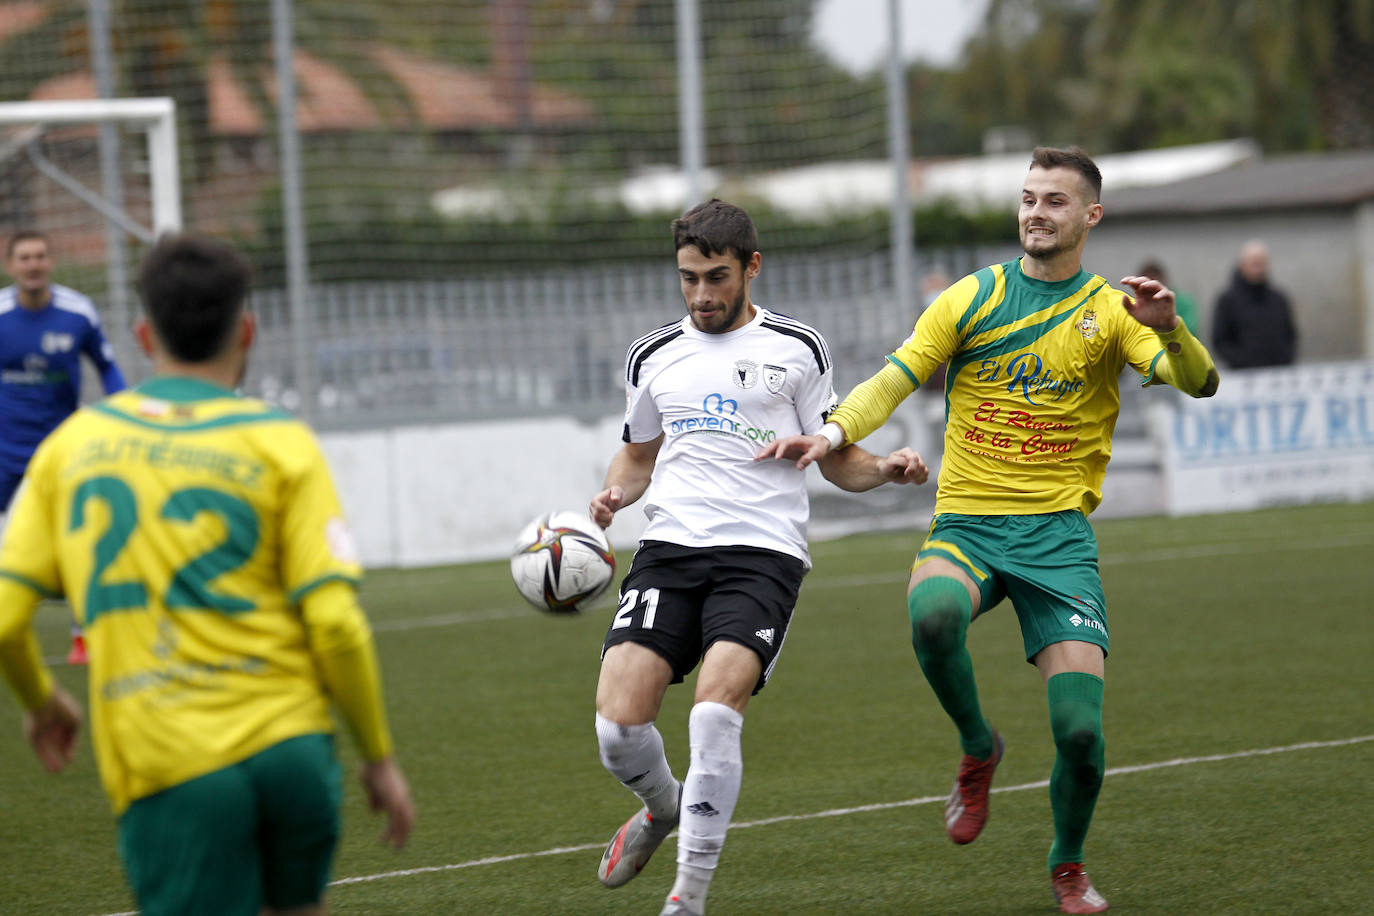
388	791
904	466
802	449
603	506
52	729
1154	304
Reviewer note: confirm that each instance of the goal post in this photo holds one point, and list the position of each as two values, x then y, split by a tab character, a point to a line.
93	174
157	117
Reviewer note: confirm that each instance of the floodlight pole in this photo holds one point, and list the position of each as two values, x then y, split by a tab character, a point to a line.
297	264
899	151
691	127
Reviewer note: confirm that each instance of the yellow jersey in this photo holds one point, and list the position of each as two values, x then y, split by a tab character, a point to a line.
185	525
1031	395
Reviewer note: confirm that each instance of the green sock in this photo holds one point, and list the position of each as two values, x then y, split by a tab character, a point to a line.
940	609
1076	721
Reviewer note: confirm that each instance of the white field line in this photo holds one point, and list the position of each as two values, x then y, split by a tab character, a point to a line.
1157	555
841	812
862	809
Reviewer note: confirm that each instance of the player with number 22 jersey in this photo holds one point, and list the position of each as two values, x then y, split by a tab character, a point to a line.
247	523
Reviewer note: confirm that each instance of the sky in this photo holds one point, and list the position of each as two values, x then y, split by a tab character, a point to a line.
854	32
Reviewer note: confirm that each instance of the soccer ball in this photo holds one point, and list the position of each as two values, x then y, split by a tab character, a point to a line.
562	562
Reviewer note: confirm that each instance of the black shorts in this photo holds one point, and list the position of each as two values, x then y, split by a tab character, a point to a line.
679	600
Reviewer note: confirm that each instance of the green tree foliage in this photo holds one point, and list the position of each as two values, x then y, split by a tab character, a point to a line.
1027	67
1136	74
1301	72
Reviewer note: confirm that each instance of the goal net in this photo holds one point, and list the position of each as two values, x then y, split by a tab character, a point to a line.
99	177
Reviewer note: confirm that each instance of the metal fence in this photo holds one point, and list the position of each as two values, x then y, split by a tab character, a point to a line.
550	342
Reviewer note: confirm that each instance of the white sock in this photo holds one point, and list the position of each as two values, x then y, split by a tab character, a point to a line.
709	794
634	755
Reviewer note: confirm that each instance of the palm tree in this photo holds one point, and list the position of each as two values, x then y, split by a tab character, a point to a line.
1286	48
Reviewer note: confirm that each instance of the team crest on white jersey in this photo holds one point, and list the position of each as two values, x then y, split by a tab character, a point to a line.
745	374
774	377
1087	325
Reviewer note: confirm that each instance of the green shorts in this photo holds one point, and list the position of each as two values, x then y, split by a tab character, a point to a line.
259	833
1046	565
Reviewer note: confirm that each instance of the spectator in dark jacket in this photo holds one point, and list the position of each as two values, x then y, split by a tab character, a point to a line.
1253	322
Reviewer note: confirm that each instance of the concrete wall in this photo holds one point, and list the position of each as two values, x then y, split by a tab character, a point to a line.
1314	257
453	493
426	495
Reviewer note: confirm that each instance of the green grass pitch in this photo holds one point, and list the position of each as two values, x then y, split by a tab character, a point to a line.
1231	635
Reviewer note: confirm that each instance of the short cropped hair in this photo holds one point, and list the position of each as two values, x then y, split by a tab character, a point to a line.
1073	157
193	290
1152	269
25	235
716	227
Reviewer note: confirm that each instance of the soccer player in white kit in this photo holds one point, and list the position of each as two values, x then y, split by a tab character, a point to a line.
717	573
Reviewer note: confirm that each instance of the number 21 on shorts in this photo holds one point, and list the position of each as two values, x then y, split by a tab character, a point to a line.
646	600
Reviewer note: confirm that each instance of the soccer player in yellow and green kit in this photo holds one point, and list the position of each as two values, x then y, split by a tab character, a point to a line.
199	539
1035	347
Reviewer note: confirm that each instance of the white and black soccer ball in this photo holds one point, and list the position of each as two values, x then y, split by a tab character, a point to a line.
562	562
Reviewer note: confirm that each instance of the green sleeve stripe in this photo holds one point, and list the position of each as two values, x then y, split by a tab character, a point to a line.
1150	376
987	281
296	595
1000	318
901	365
272	415
1017	340
30	583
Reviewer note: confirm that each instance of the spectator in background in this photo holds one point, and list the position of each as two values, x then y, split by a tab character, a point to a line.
1184	304
45	328
1253	322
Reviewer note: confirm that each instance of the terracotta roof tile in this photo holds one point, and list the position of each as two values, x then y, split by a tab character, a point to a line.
20	17
445	97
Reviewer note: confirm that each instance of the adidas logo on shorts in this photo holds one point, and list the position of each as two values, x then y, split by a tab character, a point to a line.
765	634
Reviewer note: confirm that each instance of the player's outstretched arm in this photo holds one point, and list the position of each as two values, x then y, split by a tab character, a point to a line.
389	792
856	469
803	450
1186	365
904	466
626	480
1154	304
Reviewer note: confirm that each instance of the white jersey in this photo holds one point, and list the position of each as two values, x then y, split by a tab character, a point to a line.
717	399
